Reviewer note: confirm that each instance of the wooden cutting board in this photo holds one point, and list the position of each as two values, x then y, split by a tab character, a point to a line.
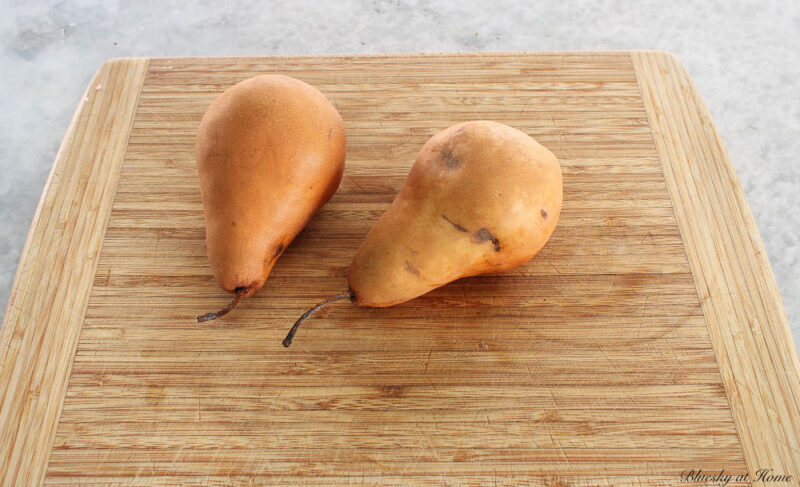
646	341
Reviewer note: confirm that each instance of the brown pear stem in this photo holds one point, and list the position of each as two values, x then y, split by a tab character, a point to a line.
290	336
239	293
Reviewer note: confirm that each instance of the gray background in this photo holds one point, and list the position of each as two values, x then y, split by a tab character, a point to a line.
743	57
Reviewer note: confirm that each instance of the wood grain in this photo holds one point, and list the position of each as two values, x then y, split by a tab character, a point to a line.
54	280
594	364
740	299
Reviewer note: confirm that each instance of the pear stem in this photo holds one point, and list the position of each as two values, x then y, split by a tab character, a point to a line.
290	336
239	293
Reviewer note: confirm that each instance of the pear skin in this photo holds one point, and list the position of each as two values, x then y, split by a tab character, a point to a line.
270	152
482	197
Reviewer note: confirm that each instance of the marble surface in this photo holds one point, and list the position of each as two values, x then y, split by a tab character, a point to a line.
742	55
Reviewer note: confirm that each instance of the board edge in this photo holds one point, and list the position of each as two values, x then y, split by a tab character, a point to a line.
747	322
42	322
620	54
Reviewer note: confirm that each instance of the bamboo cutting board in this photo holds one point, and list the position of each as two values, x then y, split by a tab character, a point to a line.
645	341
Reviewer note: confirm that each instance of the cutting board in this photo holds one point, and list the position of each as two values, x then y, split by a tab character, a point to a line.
645	343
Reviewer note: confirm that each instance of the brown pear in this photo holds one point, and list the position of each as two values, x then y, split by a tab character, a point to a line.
481	198
270	152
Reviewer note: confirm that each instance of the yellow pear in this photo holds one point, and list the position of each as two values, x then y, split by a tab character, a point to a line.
270	152
482	197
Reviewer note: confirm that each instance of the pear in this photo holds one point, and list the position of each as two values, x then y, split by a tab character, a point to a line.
270	152
482	197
